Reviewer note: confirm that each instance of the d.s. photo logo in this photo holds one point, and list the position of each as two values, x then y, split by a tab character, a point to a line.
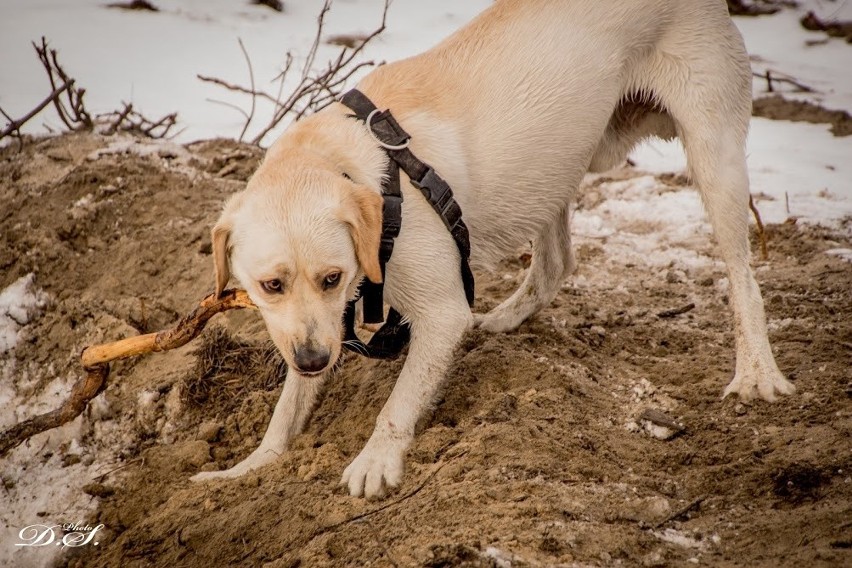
69	535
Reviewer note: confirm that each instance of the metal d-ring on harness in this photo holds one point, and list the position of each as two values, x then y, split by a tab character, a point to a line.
393	336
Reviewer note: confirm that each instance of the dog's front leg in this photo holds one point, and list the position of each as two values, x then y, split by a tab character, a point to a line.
289	417
434	337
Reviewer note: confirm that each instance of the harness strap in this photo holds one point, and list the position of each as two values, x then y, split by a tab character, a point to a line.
371	292
433	187
394	335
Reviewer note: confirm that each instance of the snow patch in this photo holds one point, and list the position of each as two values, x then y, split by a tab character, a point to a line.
20	303
797	169
500	558
842	253
643	221
681	539
144	148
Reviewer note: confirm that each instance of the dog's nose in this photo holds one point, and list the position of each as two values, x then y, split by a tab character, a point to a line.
311	360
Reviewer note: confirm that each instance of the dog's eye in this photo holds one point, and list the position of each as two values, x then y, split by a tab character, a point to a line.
273	286
331	280
347	176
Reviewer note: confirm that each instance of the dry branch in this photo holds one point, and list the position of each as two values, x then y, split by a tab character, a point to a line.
761	232
315	89
417	489
676	311
68	101
682	511
95	360
769	76
14	126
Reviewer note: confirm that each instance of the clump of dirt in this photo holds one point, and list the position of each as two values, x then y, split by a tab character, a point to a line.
833	28
799	481
537	453
777	107
756	8
143	5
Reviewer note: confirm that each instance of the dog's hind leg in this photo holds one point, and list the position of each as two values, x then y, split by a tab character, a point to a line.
708	92
552	261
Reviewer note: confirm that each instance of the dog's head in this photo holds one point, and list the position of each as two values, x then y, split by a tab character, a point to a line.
298	239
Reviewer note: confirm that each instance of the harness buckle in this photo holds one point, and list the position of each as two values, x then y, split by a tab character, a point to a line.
391	224
440	195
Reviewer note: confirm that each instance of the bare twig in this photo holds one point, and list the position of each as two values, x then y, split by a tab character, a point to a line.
102	476
129	120
68	100
238	88
253	99
95	360
830	26
314	90
761	233
676	311
14	126
128	108
229	105
682	511
771	76
435	469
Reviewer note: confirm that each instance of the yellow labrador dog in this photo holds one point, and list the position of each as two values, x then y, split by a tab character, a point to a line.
512	110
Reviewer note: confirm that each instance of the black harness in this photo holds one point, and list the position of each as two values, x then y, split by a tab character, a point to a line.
393	336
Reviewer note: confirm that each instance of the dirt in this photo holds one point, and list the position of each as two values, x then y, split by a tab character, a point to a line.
777	107
832	27
535	455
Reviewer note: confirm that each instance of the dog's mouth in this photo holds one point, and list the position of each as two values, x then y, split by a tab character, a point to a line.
311	373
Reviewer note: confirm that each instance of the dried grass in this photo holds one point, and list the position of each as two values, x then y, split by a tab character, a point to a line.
227	367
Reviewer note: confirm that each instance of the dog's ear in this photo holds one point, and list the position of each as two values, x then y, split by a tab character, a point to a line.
362	211
220	237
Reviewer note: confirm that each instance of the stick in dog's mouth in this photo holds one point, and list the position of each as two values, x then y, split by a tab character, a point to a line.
95	360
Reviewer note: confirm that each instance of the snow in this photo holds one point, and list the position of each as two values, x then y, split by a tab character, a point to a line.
780	44
791	164
152	59
20	302
642	221
844	253
683	540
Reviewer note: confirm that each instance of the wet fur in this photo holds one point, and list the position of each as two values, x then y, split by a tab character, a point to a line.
512	110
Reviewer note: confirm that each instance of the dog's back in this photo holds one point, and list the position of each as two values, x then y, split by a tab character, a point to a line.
521	98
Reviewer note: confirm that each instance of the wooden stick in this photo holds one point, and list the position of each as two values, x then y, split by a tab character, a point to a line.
84	390
96	358
761	233
676	311
682	511
179	335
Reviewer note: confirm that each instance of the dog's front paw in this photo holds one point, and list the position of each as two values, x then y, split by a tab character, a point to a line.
210	475
259	458
377	468
763	380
